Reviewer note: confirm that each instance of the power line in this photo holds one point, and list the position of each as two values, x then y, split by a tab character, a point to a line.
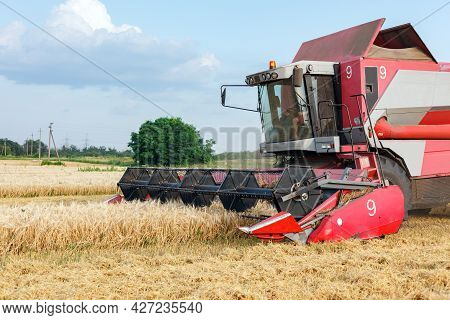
414	25
432	13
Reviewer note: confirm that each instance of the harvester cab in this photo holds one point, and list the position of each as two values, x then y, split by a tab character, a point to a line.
360	124
297	105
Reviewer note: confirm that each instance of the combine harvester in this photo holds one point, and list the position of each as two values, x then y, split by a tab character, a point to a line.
360	124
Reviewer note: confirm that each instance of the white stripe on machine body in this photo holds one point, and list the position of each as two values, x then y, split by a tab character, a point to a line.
412	152
416	89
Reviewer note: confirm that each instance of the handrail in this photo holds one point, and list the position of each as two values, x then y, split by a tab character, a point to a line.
372	131
334	116
351	128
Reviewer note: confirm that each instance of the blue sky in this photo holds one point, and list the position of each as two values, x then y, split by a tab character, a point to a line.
177	53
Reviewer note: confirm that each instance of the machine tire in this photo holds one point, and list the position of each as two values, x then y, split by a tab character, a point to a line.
396	175
420	211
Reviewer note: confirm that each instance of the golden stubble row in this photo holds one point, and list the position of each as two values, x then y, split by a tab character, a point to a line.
55	190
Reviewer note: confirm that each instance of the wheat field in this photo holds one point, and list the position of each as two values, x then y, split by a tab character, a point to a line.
59	226
76	247
53	250
30	179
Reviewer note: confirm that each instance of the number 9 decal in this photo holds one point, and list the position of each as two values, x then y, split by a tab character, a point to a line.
383	72
371	206
348	72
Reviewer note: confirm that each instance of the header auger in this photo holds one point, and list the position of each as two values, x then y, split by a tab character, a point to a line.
360	125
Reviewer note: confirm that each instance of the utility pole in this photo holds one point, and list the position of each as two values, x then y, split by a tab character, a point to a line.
49	137
86	142
32	137
26	145
39	147
53	139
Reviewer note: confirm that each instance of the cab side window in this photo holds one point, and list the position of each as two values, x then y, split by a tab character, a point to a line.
320	88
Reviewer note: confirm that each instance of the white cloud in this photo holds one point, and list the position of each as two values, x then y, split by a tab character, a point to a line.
29	56
86	16
197	69
209	60
10	36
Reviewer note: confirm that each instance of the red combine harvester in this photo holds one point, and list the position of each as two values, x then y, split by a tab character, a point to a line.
360	125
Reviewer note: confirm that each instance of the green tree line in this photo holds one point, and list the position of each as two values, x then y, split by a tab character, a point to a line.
163	142
31	148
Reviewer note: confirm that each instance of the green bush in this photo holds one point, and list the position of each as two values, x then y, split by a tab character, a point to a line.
52	163
99	169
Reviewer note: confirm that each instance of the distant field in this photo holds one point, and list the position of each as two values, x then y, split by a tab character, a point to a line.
262	163
67	244
114	161
27	178
100	160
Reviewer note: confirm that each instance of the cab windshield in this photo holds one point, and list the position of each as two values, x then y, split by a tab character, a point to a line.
285	114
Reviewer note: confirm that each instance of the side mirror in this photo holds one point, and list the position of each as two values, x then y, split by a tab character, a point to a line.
298	77
224	96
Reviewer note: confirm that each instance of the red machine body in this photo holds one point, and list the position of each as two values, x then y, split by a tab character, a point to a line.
373	215
114	199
